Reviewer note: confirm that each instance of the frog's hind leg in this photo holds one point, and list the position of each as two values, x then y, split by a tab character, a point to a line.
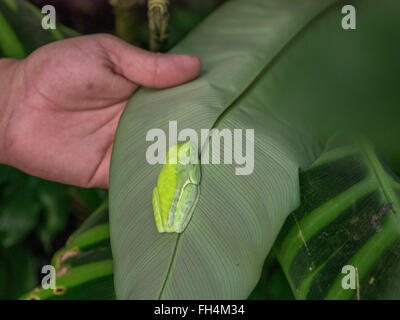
157	211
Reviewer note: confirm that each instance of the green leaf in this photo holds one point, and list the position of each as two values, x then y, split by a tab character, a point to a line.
349	216
28	203
222	251
21	29
56	203
273	284
84	266
19	214
89	199
333	79
17	272
7	174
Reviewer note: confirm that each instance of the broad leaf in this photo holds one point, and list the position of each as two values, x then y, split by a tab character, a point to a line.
349	216
84	267
334	79
273	284
221	253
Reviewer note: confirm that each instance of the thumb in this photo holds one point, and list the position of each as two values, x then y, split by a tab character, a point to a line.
150	69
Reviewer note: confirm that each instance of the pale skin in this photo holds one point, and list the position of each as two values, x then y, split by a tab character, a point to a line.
59	107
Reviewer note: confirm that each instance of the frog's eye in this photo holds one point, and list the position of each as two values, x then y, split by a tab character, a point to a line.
186	153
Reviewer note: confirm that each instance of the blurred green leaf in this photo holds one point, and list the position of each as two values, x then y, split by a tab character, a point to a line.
28	204
84	266
6	173
17	272
27	201
237	217
187	16
332	79
269	65
19	214
273	284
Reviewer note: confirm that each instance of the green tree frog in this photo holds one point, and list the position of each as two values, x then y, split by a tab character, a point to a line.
177	190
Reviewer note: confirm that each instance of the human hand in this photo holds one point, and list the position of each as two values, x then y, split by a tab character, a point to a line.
64	102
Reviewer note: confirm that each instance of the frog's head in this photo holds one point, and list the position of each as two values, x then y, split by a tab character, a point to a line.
187	153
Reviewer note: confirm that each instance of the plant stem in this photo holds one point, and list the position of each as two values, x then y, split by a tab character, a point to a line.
158	24
125	18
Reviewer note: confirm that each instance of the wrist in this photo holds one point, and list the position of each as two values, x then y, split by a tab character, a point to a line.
9	76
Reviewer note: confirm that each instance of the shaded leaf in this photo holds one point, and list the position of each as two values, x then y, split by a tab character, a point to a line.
264	67
56	203
17	272
222	251
273	284
84	266
22	30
